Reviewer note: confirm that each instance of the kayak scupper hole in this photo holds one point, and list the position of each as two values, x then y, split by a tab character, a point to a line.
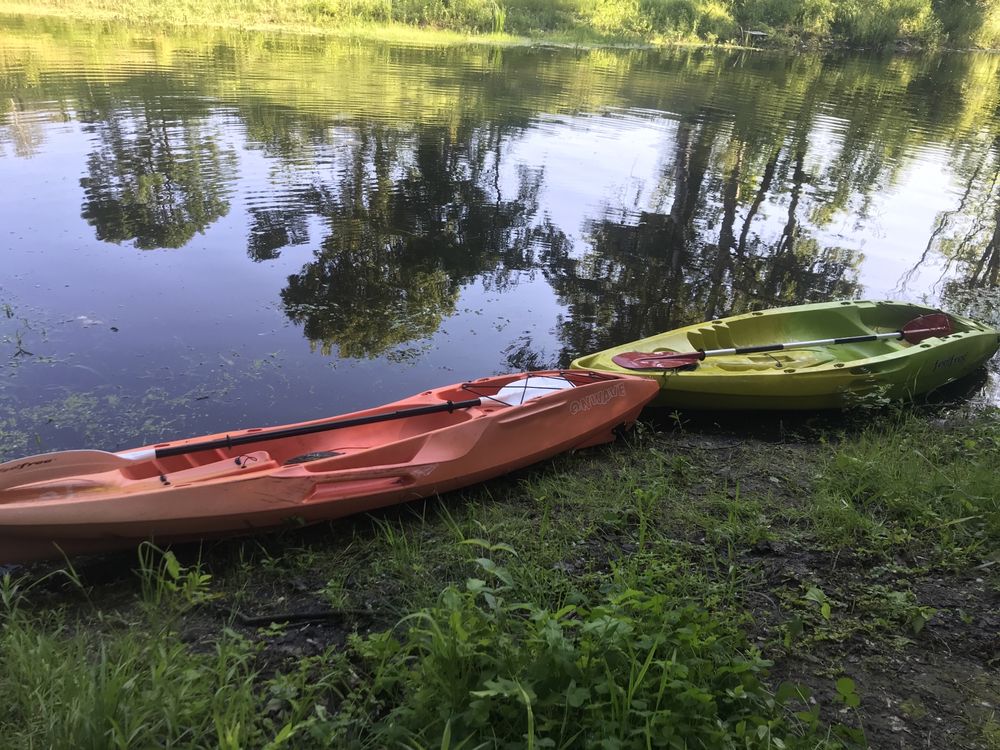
925	346
790	369
839	364
758	312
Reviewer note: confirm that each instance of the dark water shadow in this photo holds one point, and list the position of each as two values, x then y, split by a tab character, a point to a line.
959	399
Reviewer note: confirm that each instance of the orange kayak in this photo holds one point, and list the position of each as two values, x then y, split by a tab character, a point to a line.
220	485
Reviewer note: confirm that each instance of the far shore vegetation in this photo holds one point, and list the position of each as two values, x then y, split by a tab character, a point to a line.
856	23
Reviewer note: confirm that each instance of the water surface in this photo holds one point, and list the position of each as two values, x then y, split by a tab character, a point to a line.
200	232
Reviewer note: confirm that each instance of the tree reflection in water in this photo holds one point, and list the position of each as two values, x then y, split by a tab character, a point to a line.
405	172
400	249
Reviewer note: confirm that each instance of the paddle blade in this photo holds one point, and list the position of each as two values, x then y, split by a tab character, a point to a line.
926	326
47	466
657	360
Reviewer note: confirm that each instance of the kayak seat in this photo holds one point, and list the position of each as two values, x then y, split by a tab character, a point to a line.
245	463
716	336
710	337
798	359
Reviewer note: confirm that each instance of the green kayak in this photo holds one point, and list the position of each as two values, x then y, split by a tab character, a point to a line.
820	356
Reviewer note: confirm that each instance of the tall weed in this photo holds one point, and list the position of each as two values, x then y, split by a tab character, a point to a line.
80	688
637	667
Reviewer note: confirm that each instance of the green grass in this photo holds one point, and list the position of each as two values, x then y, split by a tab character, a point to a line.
123	680
876	23
607	599
913	483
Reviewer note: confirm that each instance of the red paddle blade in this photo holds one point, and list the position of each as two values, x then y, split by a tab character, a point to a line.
926	326
657	360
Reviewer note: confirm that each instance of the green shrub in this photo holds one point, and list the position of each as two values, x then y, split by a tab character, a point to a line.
619	17
880	22
707	19
810	16
639	668
464	15
524	16
969	21
989	32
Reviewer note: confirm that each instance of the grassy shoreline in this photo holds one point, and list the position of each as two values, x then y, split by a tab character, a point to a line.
778	23
832	590
398	33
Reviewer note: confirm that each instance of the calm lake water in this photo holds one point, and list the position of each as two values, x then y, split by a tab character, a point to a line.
200	232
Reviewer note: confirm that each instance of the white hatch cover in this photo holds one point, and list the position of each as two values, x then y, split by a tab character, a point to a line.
533	386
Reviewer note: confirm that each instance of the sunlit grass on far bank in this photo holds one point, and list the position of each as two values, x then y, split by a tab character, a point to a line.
308	17
166	16
580	22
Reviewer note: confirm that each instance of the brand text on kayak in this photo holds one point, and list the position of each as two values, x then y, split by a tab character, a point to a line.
597	399
27	464
949	361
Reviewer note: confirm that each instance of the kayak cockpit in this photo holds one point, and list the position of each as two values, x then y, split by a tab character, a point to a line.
245	463
797	358
324	446
759	329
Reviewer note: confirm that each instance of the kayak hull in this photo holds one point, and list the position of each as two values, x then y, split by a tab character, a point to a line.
817	377
317	477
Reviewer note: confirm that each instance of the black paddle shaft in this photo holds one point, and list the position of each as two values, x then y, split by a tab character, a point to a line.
257	437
